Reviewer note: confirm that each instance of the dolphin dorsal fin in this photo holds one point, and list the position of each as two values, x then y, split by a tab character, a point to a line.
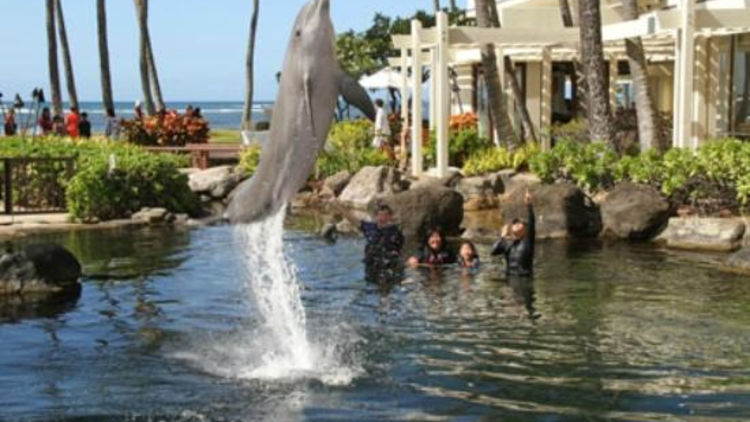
356	95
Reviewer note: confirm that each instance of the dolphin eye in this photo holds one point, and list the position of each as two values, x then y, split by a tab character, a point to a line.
298	33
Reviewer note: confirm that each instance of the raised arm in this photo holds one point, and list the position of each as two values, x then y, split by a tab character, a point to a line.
501	246
346	213
530	219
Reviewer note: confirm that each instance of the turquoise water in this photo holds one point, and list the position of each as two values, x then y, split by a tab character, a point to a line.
605	332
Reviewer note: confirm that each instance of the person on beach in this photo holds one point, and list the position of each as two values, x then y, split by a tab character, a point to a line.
434	253
382	127
111	125
84	126
45	122
9	125
138	111
72	121
467	255
517	243
383	262
58	126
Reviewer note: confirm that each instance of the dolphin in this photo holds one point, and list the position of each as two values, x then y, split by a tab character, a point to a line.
311	82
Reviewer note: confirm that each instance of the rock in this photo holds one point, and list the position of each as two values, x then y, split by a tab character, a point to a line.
481	192
420	209
449	181
739	261
480	234
42	268
519	181
338	182
216	182
562	210
710	234
633	211
370	183
152	215
506	175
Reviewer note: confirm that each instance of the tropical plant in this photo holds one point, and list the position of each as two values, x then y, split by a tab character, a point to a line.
166	129
249	159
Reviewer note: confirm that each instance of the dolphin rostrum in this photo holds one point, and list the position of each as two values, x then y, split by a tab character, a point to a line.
311	82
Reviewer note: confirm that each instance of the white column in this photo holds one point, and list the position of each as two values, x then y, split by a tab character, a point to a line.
687	57
416	99
701	95
676	109
546	100
613	70
404	86
433	87
442	97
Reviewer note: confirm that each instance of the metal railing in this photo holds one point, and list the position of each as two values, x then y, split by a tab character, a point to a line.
34	185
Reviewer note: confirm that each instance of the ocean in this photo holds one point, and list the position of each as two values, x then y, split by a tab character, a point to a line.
220	114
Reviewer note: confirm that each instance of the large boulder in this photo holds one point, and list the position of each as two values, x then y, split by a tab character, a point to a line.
633	211
709	234
39	269
518	182
450	181
216	182
481	192
739	261
562	210
371	183
420	209
337	182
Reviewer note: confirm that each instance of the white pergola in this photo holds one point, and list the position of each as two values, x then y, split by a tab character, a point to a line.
670	34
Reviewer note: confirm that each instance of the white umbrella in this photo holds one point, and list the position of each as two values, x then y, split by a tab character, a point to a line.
383	79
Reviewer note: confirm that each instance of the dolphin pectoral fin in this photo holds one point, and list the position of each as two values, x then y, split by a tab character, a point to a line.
356	95
308	103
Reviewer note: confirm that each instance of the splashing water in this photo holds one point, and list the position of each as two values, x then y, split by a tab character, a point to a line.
278	344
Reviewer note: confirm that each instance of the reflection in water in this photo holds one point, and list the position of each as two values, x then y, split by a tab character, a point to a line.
14	308
604	332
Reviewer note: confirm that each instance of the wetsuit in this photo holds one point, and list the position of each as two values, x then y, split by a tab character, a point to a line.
430	257
519	254
383	261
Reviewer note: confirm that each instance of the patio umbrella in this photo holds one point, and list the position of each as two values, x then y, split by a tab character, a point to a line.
383	79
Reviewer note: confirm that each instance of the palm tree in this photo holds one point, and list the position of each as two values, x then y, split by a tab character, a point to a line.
649	133
596	72
141	11
497	106
515	86
155	85
247	109
67	62
580	92
101	25
54	71
436	3
453	5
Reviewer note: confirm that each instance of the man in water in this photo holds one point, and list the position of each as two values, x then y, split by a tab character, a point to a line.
383	262
517	243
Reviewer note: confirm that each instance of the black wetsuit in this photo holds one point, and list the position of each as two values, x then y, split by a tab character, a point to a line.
383	261
519	254
428	256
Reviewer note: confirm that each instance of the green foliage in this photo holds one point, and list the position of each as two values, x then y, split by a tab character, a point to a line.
349	148
462	144
494	159
138	179
588	165
168	129
249	159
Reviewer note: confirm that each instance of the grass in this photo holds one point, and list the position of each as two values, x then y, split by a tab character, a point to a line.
225	136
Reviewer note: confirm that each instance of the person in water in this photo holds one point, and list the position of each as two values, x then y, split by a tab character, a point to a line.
517	243
383	262
467	255
434	253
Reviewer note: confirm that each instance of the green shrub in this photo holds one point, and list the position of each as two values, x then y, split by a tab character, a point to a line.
461	145
494	159
349	147
249	159
589	165
168	129
138	179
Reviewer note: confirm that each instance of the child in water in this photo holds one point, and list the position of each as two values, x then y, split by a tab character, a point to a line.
467	255
434	253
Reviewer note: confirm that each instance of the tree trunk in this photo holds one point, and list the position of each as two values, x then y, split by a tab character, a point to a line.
515	86
101	25
436	3
148	100
67	62
596	72
497	105
54	71
580	92
247	109
155	85
453	5
649	131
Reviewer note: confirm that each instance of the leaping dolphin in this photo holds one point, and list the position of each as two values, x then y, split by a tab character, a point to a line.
311	82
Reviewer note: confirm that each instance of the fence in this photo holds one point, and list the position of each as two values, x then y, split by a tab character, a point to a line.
34	185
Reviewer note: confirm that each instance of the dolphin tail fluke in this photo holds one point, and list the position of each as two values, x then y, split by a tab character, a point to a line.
356	95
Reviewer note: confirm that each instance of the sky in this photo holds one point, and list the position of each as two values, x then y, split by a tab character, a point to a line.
199	45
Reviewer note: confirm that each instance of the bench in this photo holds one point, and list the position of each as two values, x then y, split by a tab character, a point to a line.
202	153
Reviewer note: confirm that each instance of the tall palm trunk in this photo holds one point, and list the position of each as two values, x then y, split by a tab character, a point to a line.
649	133
497	105
596	72
247	109
453	5
67	62
155	85
54	71
580	92
436	4
140	8
106	78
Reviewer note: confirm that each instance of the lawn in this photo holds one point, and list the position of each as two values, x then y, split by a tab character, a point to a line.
225	136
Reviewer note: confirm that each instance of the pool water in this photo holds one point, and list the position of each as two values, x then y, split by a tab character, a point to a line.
165	330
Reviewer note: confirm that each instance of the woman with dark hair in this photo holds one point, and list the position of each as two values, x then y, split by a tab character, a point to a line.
467	255
435	251
45	122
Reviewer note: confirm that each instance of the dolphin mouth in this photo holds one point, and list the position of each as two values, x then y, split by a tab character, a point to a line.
323	6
